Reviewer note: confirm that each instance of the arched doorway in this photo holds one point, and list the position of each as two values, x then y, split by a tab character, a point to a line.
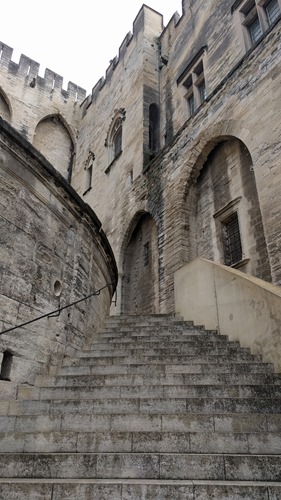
140	269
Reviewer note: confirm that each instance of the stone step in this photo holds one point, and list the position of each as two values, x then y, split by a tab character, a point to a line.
183	348
165	369
141	442
190	466
177	331
172	341
153	391
126	406
126	489
146	320
189	422
164	360
220	380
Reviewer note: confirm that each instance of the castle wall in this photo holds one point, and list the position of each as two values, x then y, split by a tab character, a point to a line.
246	112
53	252
131	85
32	98
225	188
233	134
233	111
207	31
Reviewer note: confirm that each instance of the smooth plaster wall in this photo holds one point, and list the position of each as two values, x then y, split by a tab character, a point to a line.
246	309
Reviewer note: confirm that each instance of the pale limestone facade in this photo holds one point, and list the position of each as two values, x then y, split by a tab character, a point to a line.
53	253
182	134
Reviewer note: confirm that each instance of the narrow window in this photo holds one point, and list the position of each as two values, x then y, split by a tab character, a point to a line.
196	87
114	139
255	30
146	254
258	16
89	177
272	11
202	92
6	365
117	138
231	240
191	104
89	172
153	128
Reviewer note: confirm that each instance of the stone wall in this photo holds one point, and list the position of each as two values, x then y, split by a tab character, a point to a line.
181	186
27	99
244	308
53	252
239	87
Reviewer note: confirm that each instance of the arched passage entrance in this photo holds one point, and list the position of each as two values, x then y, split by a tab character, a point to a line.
140	269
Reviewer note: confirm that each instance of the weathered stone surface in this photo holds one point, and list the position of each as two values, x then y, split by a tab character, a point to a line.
52	257
221	439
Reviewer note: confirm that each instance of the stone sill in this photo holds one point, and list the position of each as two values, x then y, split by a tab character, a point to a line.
240	263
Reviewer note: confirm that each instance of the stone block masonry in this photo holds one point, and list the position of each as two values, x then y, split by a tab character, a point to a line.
215	157
53	252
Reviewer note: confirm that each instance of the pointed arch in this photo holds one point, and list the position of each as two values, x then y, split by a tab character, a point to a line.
222	208
54	140
140	283
5	107
114	138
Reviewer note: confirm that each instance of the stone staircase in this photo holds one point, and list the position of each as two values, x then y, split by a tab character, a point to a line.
155	409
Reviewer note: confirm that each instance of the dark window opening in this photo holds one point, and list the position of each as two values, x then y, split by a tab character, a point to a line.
202	92
191	104
232	247
272	11
146	254
117	141
255	30
6	366
89	176
153	128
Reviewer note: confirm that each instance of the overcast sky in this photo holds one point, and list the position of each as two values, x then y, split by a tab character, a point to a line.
75	39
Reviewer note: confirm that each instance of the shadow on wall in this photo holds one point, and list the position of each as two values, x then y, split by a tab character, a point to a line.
140	269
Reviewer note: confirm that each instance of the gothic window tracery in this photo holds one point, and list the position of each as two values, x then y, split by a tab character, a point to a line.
114	139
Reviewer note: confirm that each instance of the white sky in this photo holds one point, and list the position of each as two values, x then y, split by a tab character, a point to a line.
76	39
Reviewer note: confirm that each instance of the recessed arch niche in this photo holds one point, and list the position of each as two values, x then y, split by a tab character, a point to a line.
140	292
221	193
53	140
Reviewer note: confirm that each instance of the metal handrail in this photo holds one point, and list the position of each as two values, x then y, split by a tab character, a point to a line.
58	311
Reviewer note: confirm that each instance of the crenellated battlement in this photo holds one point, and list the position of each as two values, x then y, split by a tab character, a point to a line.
28	70
146	18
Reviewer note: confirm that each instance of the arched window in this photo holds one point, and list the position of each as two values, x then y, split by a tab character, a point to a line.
117	137
114	137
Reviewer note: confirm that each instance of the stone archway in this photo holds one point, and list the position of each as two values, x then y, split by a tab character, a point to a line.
223	209
53	140
140	269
